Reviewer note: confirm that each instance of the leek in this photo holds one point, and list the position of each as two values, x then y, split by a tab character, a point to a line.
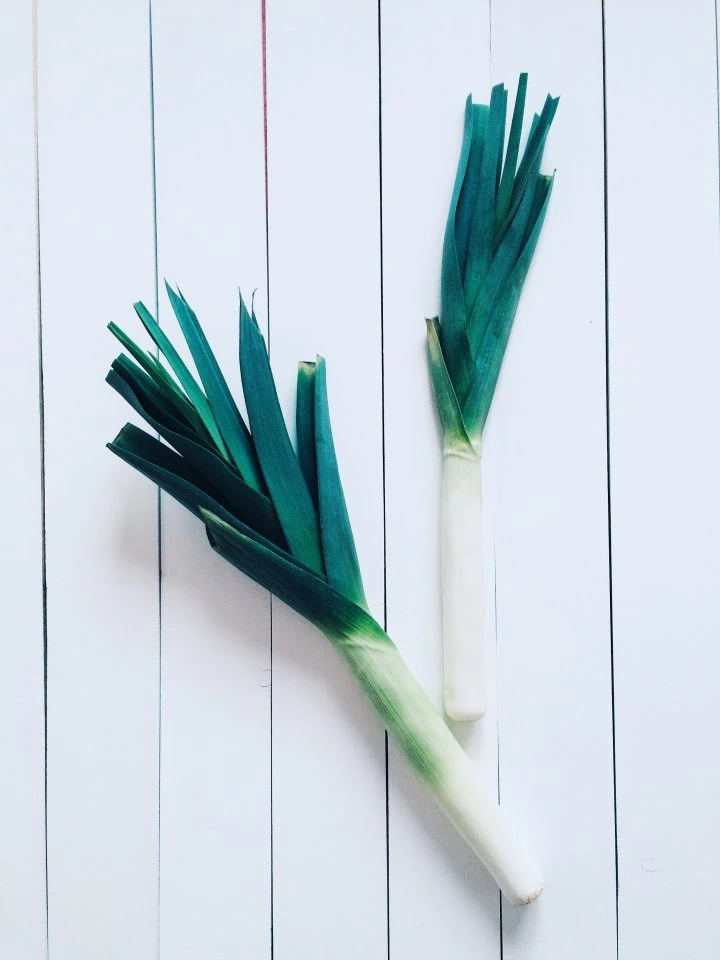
496	213
280	517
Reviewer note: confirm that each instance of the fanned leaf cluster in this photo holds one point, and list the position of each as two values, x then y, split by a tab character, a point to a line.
278	516
496	213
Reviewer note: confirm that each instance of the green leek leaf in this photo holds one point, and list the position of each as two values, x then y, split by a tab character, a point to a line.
304	591
187	380
159	464
483	224
159	398
456	345
506	256
338	542
467	200
512	152
533	152
305	426
492	348
162	379
226	414
216	477
280	466
448	407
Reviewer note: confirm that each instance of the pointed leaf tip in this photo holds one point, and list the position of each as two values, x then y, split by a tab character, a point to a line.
341	561
280	467
230	423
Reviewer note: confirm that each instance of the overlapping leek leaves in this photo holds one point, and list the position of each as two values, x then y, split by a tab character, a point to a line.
496	214
280	517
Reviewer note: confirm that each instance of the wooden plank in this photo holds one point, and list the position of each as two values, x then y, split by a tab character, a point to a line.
324	249
22	750
96	217
664	252
215	775
549	422
439	893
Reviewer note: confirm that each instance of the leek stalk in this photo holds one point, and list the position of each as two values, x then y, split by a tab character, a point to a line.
463	601
280	517
496	214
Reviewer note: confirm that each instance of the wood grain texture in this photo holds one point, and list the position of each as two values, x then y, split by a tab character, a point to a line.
102	567
215	714
324	250
22	749
664	398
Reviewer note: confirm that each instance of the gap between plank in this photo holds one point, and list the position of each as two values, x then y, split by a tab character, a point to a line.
609	484
41	411
263	33
156	278
382	436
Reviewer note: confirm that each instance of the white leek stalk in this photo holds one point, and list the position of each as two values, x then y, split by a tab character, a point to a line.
463	601
496	213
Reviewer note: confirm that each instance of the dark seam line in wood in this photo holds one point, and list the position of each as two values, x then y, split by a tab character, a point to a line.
263	35
153	165
41	412
497	648
609	483
384	473
497	725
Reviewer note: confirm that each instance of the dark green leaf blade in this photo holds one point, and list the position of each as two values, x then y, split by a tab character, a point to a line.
506	256
168	470
163	402
146	360
467	199
338	543
224	409
165	468
511	155
188	382
162	380
447	404
495	338
280	467
212	474
305	426
300	588
452	302
483	226
533	150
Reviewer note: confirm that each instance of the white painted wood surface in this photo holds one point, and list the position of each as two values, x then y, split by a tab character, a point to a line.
96	255
664	299
194	809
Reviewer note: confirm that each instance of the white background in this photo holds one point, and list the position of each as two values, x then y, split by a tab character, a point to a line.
159	798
